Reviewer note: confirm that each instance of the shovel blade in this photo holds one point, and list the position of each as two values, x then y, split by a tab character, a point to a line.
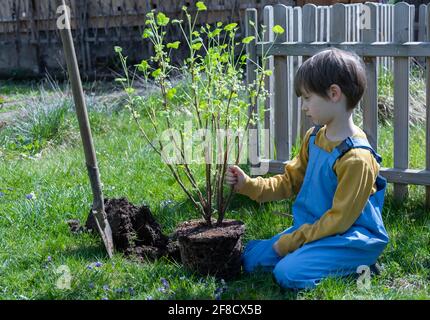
104	230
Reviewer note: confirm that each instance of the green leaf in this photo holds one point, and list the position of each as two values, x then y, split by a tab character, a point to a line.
143	66
196	34
214	33
201	6
197	46
174	21
278	29
118	49
171	93
230	26
268	73
130	90
156	73
173	45
147	33
248	39
120	80
162	20
219	24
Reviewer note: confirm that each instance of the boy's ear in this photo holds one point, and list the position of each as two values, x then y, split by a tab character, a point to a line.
335	93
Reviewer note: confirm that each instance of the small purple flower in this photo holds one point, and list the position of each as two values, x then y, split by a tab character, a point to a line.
105	298
106	287
165	283
149	298
30	196
89	267
131	291
49	259
91	285
98	264
119	290
218	291
218	296
1	194
162	289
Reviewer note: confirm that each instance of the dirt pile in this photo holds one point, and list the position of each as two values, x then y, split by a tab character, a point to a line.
135	231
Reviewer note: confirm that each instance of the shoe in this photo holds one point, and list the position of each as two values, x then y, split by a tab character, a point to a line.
375	269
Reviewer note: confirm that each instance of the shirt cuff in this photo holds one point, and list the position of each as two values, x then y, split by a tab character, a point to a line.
250	188
285	245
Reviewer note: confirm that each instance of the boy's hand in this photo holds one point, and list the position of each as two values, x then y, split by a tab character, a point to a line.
276	249
235	177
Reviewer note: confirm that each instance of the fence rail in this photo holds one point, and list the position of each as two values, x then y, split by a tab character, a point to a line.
311	29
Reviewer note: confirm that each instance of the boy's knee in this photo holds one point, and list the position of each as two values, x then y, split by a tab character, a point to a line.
285	273
288	273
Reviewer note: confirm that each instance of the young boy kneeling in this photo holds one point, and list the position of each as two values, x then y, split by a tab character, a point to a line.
340	194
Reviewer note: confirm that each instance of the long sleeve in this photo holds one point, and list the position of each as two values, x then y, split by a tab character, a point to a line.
281	186
356	171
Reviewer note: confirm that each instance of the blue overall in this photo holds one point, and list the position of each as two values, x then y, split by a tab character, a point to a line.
337	255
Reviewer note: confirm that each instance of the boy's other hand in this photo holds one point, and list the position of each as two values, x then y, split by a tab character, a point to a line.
235	177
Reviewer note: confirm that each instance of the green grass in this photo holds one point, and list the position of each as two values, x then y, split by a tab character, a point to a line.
33	230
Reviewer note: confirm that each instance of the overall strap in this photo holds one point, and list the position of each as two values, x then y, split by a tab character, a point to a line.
315	131
352	143
313	136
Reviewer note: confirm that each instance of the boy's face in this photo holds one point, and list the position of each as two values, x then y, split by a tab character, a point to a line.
323	110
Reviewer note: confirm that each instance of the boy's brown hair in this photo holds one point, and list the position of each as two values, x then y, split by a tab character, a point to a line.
332	66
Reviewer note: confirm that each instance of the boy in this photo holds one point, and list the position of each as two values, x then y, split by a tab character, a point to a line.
337	213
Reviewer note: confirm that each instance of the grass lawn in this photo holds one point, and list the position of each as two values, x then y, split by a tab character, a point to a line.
35	241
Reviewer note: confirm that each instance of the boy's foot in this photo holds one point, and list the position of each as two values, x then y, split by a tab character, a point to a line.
375	269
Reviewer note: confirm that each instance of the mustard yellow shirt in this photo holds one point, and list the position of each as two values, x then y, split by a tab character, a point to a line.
356	172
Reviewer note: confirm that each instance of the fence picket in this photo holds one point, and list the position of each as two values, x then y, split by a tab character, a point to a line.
309	34
297	61
282	127
370	98
251	77
269	85
428	110
401	97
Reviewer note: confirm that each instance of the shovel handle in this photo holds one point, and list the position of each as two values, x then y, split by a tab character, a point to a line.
85	130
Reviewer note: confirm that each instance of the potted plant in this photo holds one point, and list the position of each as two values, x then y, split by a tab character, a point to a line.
199	127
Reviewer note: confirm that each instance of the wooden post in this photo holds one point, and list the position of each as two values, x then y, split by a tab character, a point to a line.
35	38
370	98
282	127
18	34
428	111
309	34
80	32
269	85
401	97
251	77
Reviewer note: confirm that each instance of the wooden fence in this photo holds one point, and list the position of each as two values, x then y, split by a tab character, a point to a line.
30	42
311	29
